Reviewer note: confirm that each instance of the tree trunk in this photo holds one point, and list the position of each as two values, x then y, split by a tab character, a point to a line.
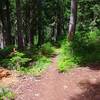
19	25
59	19
1	36
59	26
40	23
9	37
33	7
73	19
6	25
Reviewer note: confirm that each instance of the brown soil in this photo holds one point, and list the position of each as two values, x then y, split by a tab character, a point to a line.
78	84
4	73
8	78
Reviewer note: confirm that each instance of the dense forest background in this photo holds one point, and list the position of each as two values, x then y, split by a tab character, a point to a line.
26	23
38	25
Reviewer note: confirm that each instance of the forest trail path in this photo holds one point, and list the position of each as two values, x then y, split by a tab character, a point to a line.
78	84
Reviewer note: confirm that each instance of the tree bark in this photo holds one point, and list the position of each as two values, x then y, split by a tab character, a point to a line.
33	19
73	19
40	23
1	36
9	36
59	19
19	25
6	24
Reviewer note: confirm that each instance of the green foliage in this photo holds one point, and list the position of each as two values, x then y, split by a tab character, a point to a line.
84	49
40	60
5	52
38	66
15	60
19	59
91	17
33	61
47	49
65	58
6	94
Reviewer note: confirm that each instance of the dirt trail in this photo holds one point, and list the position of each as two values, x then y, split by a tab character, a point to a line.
78	84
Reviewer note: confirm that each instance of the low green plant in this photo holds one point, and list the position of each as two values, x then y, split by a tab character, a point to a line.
19	59
47	49
29	62
6	94
39	65
15	61
65	58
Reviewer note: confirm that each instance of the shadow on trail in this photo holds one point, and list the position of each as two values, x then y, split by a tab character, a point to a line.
94	66
90	92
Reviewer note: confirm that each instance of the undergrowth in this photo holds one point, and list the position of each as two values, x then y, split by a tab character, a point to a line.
65	58
36	67
6	94
84	49
32	61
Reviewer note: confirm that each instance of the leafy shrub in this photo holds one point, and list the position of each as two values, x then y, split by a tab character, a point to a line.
5	52
22	62
19	59
65	58
47	49
16	60
41	63
6	94
85	48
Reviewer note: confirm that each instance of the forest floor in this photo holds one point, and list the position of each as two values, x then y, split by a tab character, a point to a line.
81	83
